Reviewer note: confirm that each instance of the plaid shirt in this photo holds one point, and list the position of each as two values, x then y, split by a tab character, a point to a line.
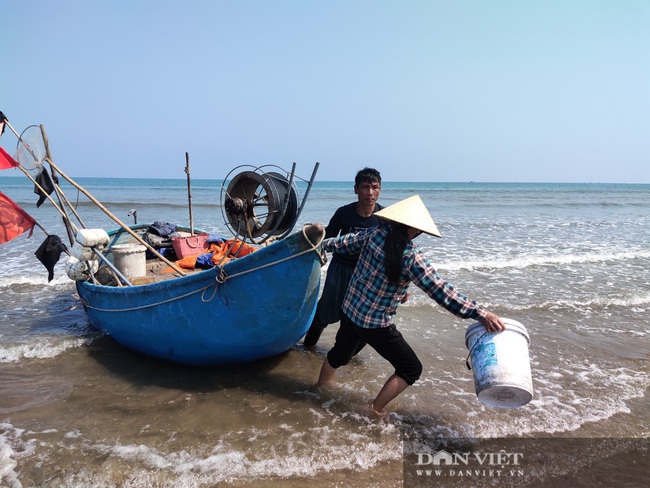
371	301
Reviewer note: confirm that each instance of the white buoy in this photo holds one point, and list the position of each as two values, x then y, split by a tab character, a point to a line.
92	238
80	270
81	252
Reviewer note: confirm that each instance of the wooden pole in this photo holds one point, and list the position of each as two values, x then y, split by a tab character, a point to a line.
42	190
49	156
59	193
189	192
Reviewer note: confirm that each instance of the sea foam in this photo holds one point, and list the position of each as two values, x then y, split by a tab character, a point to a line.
43	350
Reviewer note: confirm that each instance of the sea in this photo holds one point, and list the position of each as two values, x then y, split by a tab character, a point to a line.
570	262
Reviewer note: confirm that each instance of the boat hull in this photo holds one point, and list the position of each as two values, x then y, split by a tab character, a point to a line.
262	309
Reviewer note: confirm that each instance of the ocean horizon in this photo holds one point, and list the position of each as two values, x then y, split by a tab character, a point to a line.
88	179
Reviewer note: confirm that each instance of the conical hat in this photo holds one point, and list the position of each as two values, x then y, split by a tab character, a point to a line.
411	212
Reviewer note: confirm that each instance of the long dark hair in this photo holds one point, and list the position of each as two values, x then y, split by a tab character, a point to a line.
396	242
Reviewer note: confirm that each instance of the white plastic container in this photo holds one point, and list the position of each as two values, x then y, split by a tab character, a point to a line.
500	364
130	260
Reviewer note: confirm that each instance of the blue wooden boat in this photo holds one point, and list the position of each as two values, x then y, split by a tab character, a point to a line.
253	307
248	308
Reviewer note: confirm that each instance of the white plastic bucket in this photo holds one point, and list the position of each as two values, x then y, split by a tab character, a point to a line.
130	259
500	364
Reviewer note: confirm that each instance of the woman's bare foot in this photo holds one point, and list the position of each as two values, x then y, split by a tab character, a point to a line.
377	414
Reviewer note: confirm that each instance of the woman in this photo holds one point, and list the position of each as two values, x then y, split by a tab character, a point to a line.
388	263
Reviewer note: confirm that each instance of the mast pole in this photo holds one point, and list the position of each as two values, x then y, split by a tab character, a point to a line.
189	192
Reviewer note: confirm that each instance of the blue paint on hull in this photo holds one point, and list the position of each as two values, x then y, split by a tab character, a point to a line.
195	320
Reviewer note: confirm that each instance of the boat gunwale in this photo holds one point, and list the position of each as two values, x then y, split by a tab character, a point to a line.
282	249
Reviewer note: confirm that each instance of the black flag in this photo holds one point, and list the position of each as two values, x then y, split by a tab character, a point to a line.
45	182
49	253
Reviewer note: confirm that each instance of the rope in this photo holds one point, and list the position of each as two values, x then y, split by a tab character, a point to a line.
86	304
221	278
472	349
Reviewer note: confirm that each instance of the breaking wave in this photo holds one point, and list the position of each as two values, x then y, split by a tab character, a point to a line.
544	260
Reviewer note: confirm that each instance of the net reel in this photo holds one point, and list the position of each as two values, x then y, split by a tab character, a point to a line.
258	204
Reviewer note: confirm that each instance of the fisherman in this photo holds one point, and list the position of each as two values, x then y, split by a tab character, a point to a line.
388	263
349	218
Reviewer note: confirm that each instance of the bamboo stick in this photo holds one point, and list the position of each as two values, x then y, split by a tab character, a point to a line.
189	192
59	193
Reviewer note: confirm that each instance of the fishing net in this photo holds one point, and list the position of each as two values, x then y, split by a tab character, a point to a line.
30	153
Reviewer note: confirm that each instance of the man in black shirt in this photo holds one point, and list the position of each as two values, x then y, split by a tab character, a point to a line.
347	219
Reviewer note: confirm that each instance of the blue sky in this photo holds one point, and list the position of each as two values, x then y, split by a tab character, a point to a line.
456	90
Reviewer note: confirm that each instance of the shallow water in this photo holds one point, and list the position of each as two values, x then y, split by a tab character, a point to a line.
570	262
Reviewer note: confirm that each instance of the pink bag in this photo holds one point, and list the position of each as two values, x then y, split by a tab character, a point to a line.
190	245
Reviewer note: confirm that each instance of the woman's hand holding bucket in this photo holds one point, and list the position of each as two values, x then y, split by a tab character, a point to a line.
492	323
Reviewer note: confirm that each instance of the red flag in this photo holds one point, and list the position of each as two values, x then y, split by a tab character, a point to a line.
14	221
7	161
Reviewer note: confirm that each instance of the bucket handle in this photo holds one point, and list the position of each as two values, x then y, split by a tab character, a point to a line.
472	349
